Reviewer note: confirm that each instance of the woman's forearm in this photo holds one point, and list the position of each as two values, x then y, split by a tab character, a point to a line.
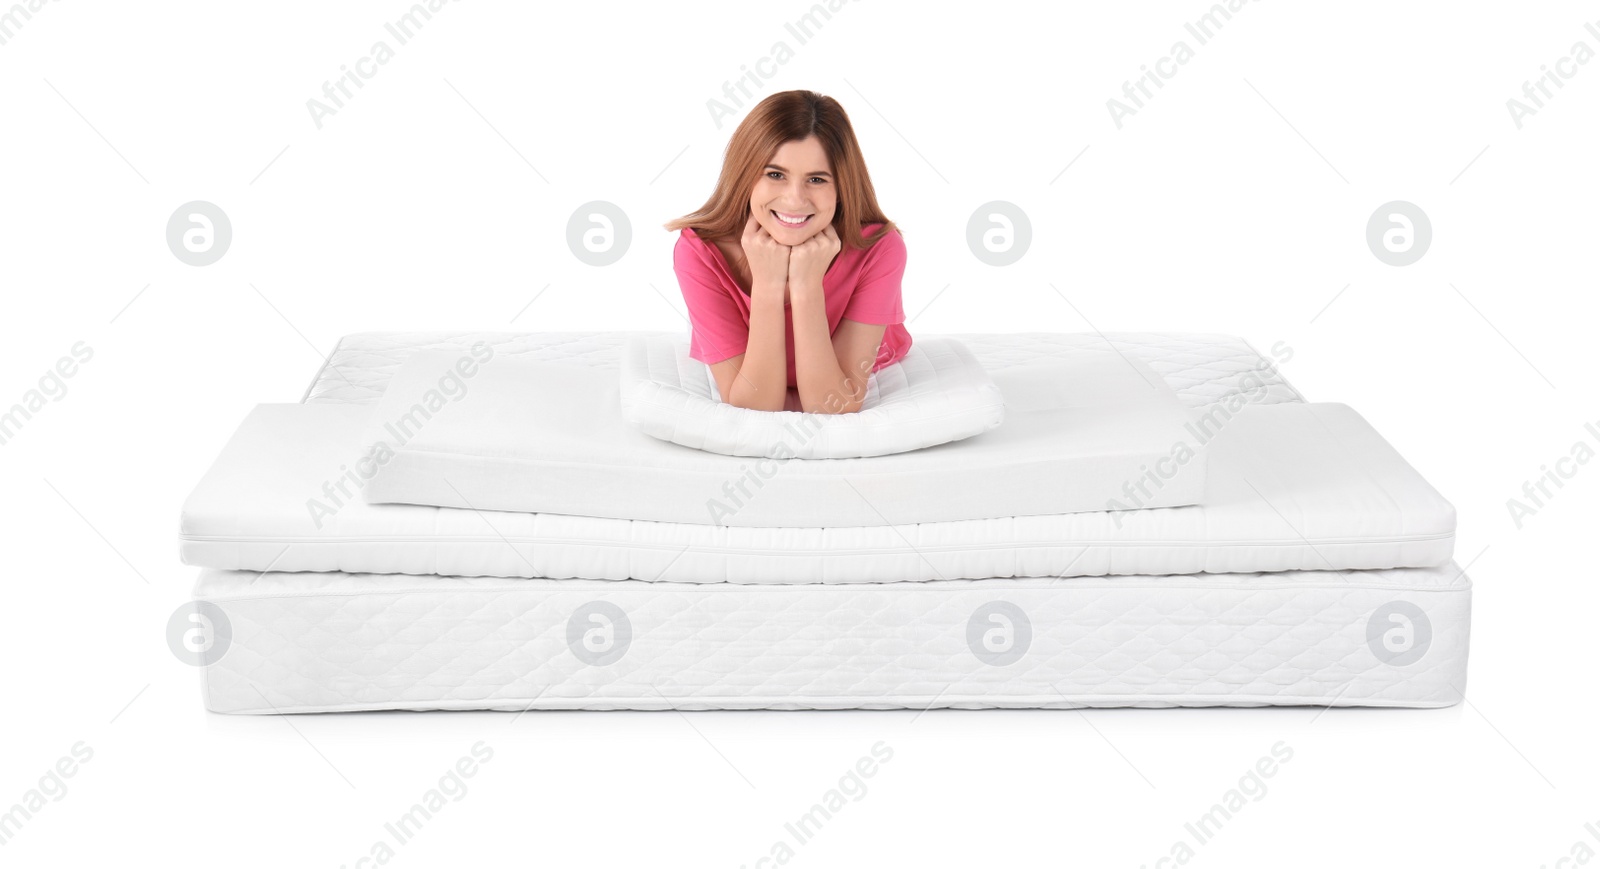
763	380
822	384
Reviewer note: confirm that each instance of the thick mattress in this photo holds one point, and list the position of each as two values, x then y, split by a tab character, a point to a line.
1290	486
337	642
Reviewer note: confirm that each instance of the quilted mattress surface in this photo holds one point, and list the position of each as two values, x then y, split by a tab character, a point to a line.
336	642
1292	487
1204	369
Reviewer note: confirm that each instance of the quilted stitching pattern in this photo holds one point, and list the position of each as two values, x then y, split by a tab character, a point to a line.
347	641
534	544
1202	368
335	641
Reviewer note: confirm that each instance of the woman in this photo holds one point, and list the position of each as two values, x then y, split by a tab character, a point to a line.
790	271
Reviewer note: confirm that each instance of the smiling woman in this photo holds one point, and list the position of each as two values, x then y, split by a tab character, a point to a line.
790	271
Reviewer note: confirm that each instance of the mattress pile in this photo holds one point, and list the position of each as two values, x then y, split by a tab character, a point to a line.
478	521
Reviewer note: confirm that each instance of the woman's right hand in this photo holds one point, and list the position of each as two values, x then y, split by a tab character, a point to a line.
767	259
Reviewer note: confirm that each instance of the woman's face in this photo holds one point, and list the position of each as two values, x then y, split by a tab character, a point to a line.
795	196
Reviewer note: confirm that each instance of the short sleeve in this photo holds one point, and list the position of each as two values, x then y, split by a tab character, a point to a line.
718	329
876	299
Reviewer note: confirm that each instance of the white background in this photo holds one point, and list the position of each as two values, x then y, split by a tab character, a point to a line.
1235	201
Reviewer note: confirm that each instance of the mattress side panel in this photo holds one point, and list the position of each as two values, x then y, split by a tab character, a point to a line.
371	644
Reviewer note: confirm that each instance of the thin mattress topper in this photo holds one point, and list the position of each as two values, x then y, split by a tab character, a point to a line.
1288	487
543	437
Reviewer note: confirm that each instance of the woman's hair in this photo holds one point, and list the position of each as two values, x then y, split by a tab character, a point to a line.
790	116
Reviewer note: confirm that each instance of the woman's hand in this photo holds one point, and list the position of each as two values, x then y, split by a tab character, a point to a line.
809	261
768	260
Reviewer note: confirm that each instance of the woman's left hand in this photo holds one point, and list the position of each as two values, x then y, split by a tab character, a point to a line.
809	261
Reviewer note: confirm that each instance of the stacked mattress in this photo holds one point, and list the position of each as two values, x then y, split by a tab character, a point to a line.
1298	559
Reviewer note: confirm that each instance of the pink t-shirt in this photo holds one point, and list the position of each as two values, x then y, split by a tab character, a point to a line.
860	285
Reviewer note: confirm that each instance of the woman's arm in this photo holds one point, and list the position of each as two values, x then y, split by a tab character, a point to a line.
758	378
830	371
850	354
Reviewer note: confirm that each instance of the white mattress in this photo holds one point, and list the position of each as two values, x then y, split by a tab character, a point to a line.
335	642
1290	486
258	519
524	435
316	642
1204	369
